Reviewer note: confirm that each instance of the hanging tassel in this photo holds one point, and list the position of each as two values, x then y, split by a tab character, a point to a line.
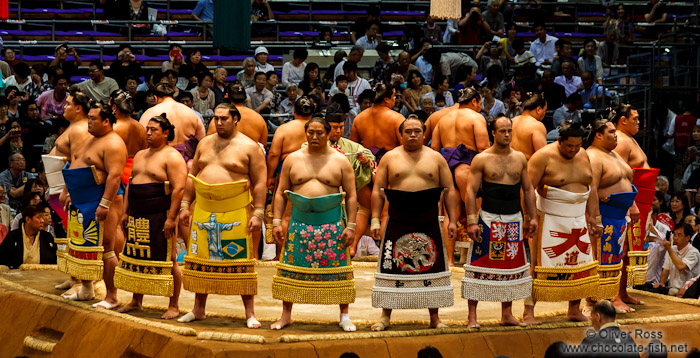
446	9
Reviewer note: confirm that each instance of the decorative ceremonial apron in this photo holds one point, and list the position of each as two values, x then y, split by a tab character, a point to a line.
315	266
613	210
145	265
412	270
565	269
645	181
455	157
498	269
53	166
85	234
219	258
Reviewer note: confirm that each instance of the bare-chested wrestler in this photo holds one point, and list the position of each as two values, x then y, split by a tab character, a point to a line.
459	136
612	178
153	196
412	271
93	181
75	111
626	121
228	172
433	121
563	267
529	134
311	179
377	127
189	129
129	129
252	123
497	268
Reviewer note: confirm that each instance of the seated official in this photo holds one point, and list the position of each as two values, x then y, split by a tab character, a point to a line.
608	337
29	244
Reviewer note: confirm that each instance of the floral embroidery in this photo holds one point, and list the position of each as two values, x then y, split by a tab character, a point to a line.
324	262
317	246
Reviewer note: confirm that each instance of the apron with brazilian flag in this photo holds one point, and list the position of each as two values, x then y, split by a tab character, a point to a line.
219	257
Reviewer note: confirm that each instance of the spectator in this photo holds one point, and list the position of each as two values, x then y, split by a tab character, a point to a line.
681	262
491	106
187	99
593	95
58	126
405	65
328	77
441	86
662	185
415	89
247	74
13	97
694	222
176	82
472	28
98	87
126	10
621	23
204	10
371	38
34	133
21	78
566	53
5	69
61	53
494	18
609	50
521	55
568	79
464	77
360	25
220	85
383	63
271	85
431	30
447	64
325	34
569	111
8	55
131	84
543	47
341	86
429	352
193	68
590	61
311	85
29	244
654	12
525	77
657	251
37	86
261	64
30	198
125	65
13	179
4	119
149	82
204	101
355	55
490	55
554	93
293	71
679	207
259	97
514	103
609	337
508	52
365	99
176	61
260	10
356	84
451	29
13	140
287	105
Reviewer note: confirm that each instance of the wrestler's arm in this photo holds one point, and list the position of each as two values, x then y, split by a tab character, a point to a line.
428	131
263	134
257	172
273	156
212	128
354	136
188	195
350	196
451	197
475	175
436	144
592	205
141	133
280	199
380	181
124	216
536	167
200	132
623	150
481	136
597	172
176	171
114	162
529	198
397	133
539	138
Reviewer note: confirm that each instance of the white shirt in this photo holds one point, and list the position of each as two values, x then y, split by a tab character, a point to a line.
12	81
544	50
263	68
355	88
292	74
450	62
691	258
366	43
498	107
570	85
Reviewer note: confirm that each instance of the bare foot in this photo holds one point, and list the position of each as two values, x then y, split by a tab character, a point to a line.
530	320
381	325
620	306
451	264
511	321
171	313
473	325
132	306
437	324
283	322
626	298
253	323
577	317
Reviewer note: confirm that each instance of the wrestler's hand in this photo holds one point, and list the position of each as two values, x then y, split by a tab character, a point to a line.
101	214
348	237
254	224
452	231
185	217
594	229
271	184
634	213
532	227
169	228
277	234
123	221
473	231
